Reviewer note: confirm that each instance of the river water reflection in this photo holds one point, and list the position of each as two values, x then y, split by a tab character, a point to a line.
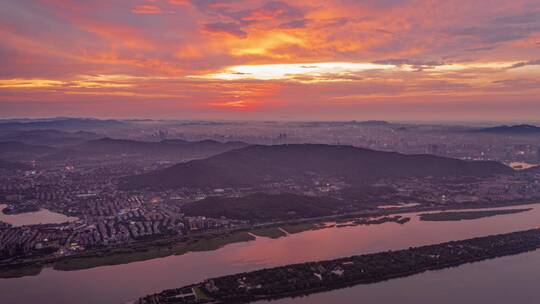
120	283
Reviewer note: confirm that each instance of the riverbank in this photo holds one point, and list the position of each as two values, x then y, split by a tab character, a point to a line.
467	215
137	252
151	249
126	282
169	246
313	277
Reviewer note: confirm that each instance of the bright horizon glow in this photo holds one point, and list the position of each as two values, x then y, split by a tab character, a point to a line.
334	71
293	70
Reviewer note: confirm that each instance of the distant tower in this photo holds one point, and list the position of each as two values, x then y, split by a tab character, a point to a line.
162	135
282	137
433	149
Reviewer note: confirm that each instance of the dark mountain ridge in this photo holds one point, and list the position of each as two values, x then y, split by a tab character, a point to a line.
19	147
255	165
511	130
167	148
8	165
61	123
48	137
15	150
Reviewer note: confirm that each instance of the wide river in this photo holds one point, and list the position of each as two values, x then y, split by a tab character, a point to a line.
511	279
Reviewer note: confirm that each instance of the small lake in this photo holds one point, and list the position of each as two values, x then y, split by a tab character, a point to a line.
121	283
43	216
522	165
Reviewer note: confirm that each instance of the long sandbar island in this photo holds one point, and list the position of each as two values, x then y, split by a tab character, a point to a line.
312	277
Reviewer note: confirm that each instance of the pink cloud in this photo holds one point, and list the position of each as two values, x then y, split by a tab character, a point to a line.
147	9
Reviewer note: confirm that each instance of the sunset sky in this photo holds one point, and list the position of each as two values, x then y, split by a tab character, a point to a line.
226	59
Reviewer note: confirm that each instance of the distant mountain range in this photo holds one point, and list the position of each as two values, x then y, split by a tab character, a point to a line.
59	149
34	144
7	165
256	165
511	130
176	149
60	123
372	123
19	147
47	137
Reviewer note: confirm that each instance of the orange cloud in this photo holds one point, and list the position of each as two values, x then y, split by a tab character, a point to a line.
179	2
238	104
147	9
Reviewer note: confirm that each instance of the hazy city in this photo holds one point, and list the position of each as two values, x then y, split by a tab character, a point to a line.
223	151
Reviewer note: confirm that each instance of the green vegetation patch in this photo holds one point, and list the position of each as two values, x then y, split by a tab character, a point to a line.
297	228
200	294
128	255
270	232
467	215
6	273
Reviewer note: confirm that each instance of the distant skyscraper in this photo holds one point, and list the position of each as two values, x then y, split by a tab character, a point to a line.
433	149
162	134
